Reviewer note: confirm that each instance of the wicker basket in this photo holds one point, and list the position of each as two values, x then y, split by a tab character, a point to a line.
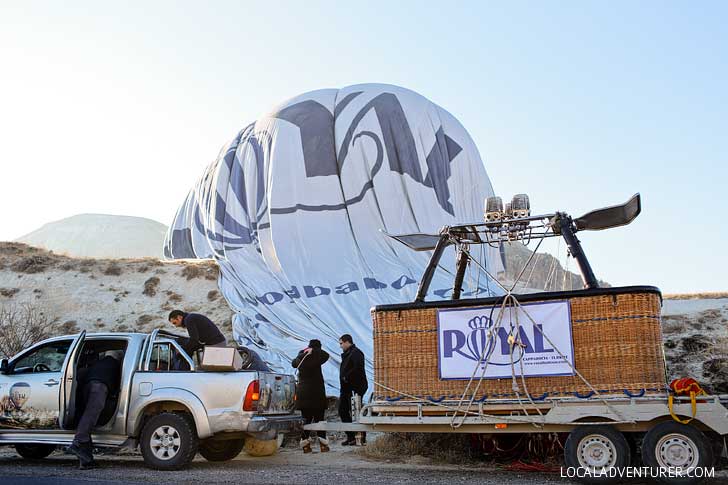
626	359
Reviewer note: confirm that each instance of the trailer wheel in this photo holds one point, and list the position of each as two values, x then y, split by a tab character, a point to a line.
597	449
32	451
677	446
221	450
168	441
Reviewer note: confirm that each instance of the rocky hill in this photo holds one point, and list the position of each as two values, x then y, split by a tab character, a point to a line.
100	236
137	295
544	273
108	294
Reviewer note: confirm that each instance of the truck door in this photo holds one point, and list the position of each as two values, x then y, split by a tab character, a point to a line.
69	383
30	388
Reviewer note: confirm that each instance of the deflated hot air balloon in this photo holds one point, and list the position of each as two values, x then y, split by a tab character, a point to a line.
296	208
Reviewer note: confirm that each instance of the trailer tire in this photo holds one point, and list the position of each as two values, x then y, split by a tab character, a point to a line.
168	441
598	447
221	450
34	451
672	444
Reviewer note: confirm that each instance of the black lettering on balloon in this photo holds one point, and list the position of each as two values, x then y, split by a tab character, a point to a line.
373	284
403	280
313	291
347	288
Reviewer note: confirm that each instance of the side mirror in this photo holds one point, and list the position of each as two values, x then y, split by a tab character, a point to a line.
4	366
608	217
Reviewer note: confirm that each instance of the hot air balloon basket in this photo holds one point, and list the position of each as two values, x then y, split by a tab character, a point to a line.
614	341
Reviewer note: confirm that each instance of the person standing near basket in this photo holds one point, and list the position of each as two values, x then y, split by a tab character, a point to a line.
310	391
353	381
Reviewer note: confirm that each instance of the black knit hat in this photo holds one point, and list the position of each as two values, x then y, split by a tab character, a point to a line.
314	344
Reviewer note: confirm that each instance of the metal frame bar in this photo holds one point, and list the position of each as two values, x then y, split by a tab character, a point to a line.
561	415
568	232
431	266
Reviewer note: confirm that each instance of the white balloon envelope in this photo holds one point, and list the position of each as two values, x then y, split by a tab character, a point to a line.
295	207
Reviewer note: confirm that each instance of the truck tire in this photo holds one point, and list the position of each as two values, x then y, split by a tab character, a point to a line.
34	451
672	444
259	448
168	441
597	447
221	450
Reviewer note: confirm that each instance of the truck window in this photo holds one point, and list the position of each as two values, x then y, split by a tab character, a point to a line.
46	358
166	358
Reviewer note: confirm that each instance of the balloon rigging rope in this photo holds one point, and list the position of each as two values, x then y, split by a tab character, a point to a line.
533	267
499	417
493	331
461	412
508	297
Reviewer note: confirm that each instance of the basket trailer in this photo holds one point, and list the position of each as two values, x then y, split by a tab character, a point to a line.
586	362
599	431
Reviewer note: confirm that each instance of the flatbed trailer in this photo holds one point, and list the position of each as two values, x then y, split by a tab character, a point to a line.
558	415
630	403
600	430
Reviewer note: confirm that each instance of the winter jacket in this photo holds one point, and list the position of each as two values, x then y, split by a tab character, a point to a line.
310	390
202	332
106	370
352	374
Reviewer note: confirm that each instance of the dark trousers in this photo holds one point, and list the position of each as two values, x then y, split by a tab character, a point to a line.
312	416
345	411
94	396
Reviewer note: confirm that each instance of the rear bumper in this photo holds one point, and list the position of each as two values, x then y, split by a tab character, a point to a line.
268	427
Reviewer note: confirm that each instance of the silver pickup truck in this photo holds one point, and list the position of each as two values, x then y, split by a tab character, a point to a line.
170	414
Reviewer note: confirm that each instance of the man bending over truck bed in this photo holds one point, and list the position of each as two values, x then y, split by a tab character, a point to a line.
202	332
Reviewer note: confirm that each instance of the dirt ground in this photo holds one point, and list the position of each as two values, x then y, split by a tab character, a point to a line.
289	466
343	465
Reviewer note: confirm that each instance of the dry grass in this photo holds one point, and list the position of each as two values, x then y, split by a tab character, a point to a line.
696	296
200	270
452	448
150	286
32	264
145	319
9	292
70	327
672	324
113	270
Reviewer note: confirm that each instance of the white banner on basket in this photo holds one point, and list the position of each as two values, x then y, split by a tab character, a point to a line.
467	338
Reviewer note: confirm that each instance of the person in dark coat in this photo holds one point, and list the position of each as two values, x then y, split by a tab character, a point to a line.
203	333
97	382
310	391
352	381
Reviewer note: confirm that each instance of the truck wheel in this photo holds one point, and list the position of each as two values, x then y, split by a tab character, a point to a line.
674	445
168	441
597	448
33	451
258	448
221	450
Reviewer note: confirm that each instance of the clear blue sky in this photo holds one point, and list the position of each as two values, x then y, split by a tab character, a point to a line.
115	107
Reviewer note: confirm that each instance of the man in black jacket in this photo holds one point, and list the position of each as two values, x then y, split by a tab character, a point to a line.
352	380
202	332
97	382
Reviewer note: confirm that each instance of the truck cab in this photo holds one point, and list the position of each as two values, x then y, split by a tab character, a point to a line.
166	404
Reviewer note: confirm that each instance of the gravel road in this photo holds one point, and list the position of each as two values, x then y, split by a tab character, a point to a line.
289	466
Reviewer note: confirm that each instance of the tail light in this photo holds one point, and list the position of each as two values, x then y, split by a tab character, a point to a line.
252	395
